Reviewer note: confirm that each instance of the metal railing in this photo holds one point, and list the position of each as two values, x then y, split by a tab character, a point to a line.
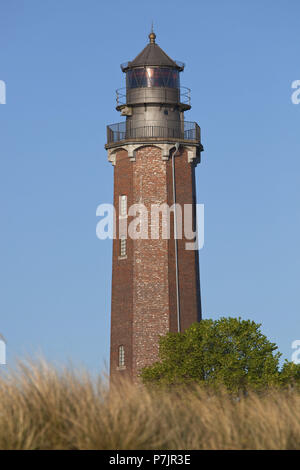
183	92
124	130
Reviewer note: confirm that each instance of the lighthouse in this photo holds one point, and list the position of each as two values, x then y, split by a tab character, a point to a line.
154	151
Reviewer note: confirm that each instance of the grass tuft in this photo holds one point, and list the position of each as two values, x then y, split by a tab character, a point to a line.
42	407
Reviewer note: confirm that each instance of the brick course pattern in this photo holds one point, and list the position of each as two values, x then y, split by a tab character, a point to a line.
144	284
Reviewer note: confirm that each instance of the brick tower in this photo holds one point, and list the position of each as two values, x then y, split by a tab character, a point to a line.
155	279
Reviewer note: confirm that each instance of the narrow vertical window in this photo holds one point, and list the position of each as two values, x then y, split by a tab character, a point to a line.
121	356
122	227
123	205
123	247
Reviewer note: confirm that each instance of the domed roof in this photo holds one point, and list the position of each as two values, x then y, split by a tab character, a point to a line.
152	54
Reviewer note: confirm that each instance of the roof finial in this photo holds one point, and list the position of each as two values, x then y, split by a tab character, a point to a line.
152	35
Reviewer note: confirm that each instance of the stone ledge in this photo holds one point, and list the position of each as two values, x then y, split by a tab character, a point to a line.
194	149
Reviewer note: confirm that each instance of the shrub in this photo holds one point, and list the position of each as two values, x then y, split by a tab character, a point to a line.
227	352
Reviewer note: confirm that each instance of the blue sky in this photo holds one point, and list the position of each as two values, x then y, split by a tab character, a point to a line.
60	62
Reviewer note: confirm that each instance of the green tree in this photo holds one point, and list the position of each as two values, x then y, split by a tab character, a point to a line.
290	374
230	352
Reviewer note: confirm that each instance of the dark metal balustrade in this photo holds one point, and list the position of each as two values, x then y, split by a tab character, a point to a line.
123	131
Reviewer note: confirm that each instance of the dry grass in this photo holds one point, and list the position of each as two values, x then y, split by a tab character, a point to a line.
43	408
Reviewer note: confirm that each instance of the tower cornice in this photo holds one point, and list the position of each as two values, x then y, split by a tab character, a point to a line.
193	150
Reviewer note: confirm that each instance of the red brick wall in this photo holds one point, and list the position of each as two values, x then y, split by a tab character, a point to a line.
150	270
122	276
190	308
143	285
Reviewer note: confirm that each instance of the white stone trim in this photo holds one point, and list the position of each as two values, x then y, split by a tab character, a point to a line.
191	153
165	149
132	148
111	156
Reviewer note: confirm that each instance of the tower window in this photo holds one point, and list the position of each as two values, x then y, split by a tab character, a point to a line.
123	205
152	77
123	246
121	356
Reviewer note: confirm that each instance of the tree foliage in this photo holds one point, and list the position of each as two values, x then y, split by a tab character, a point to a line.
290	374
228	352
